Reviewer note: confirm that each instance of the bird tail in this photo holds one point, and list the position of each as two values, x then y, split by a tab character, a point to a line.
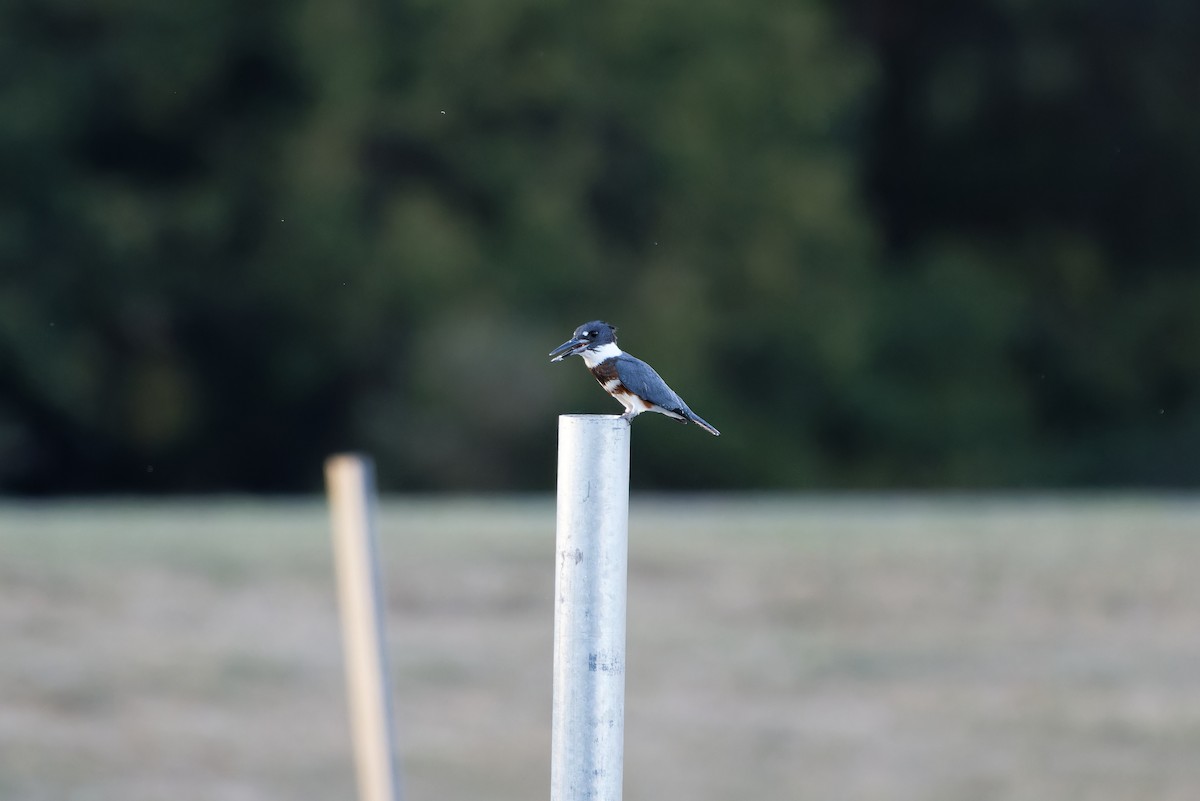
700	421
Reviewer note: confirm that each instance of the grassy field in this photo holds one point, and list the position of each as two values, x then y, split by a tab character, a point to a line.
827	649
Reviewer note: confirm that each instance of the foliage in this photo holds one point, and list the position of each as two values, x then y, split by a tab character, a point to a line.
876	247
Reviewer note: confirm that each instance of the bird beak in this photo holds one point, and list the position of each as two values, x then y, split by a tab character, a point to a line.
568	348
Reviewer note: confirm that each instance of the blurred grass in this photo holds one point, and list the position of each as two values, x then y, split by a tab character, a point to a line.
823	648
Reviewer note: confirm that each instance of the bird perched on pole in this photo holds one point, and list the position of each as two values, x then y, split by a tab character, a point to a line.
627	378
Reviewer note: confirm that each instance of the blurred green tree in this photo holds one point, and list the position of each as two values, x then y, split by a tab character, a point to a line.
881	245
240	238
1044	153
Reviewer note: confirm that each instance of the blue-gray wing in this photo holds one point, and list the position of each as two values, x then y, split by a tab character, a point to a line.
641	379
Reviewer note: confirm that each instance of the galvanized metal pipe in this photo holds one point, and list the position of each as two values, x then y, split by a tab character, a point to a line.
591	547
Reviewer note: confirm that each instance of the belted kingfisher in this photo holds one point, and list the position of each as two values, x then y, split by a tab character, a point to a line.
630	380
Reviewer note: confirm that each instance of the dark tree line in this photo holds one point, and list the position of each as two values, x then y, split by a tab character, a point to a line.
877	244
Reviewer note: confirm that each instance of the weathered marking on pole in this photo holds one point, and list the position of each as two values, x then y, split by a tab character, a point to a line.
606	663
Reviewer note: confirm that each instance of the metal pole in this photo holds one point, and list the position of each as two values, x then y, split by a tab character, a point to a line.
350	483
591	547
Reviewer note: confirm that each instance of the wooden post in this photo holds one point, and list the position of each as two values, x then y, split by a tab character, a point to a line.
350	483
